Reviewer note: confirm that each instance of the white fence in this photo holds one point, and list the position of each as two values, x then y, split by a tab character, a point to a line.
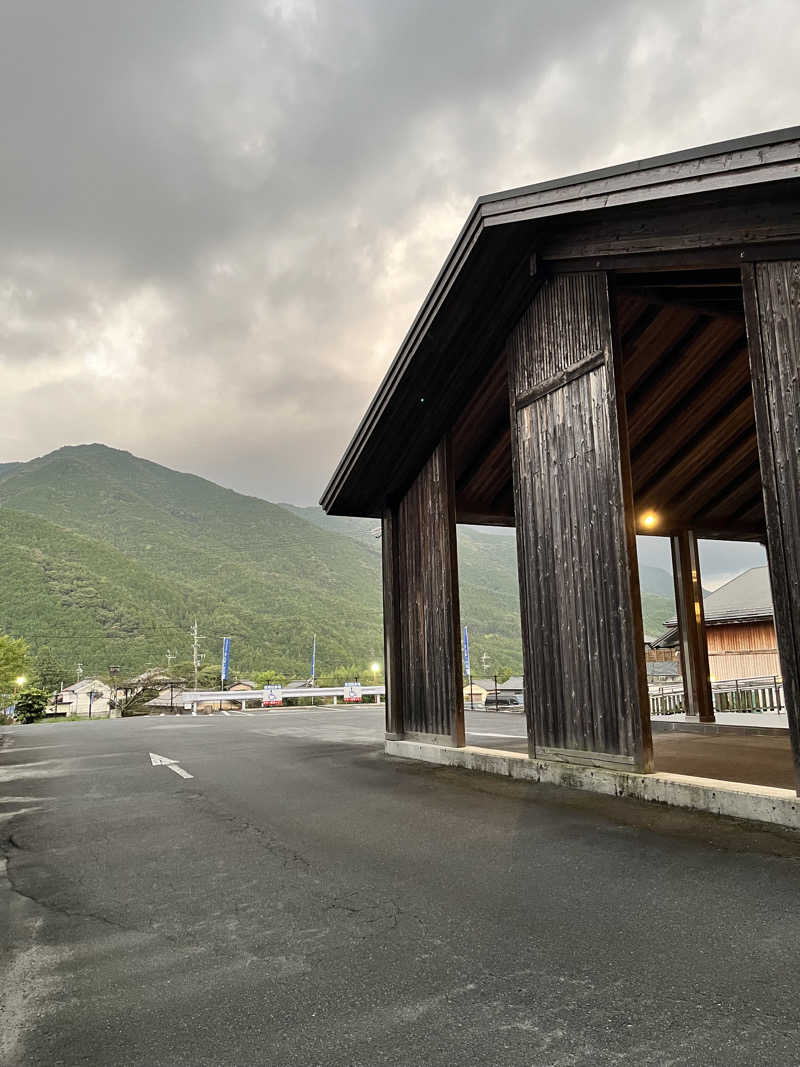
337	692
735	694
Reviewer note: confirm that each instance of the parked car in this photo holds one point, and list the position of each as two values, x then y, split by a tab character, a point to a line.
503	702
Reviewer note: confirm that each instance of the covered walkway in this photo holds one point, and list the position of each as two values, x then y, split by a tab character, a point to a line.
735	755
602	356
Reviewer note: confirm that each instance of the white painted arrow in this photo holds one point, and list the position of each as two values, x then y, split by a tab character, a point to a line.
165	761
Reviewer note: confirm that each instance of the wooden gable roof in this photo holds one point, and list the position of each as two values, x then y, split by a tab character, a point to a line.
707	208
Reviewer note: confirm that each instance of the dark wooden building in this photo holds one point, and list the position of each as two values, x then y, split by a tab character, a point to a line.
740	629
631	338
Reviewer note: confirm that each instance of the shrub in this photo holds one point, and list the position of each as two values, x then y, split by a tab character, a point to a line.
30	704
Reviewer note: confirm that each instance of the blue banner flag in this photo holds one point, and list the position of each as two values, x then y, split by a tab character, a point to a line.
226	657
313	657
466	654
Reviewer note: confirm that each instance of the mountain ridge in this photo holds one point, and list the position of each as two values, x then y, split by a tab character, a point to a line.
145	549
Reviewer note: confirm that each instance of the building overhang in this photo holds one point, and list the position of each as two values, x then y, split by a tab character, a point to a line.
714	206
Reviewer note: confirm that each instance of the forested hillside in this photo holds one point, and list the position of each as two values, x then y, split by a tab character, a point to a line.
154	549
106	559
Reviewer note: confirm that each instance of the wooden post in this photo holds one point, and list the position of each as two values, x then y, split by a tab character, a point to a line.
585	685
425	686
691	627
772	311
391	625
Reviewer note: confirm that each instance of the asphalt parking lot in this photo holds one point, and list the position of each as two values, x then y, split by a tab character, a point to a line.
279	892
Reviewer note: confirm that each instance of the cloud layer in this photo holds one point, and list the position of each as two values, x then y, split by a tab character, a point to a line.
219	219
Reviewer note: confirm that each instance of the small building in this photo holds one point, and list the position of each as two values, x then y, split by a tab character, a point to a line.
90	698
243	685
740	629
630	338
663	672
170	698
477	689
515	684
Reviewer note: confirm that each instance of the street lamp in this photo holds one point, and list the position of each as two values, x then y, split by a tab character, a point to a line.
375	668
21	680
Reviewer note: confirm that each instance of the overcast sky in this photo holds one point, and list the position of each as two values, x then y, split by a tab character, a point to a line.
219	218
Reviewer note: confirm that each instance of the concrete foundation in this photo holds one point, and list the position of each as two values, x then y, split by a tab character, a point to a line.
758	803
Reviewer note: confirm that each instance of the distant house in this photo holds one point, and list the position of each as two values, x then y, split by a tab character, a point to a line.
242	685
170	698
740	628
513	685
88	697
480	687
663	672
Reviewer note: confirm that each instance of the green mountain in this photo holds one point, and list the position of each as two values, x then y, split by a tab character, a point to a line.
125	553
487	564
106	559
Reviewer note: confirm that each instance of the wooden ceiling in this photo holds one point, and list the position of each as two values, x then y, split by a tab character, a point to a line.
694	457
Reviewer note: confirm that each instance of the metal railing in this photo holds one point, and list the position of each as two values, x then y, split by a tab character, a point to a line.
754	695
193	696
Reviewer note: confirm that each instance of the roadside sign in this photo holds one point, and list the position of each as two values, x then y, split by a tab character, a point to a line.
273	696
352	692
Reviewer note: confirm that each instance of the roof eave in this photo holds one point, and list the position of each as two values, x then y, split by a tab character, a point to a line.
721	165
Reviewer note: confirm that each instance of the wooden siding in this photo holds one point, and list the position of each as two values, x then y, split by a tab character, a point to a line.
742	637
726	666
772	306
584	671
392	653
425	685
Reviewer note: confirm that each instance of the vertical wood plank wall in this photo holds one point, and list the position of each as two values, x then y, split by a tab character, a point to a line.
392	661
772	310
584	674
421	608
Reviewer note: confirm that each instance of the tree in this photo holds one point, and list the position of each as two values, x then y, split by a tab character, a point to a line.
50	673
14	663
30	704
264	678
208	677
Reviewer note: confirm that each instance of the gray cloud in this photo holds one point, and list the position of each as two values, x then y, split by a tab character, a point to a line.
219	219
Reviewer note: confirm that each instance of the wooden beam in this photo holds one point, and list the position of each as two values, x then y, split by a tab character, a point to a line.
691	627
669	333
494	438
681	421
734	459
730	496
680	471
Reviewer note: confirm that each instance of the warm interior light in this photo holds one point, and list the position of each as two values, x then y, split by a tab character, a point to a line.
375	668
21	680
649	519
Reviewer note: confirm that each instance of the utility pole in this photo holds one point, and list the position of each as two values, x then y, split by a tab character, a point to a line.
196	657
79	671
170	658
